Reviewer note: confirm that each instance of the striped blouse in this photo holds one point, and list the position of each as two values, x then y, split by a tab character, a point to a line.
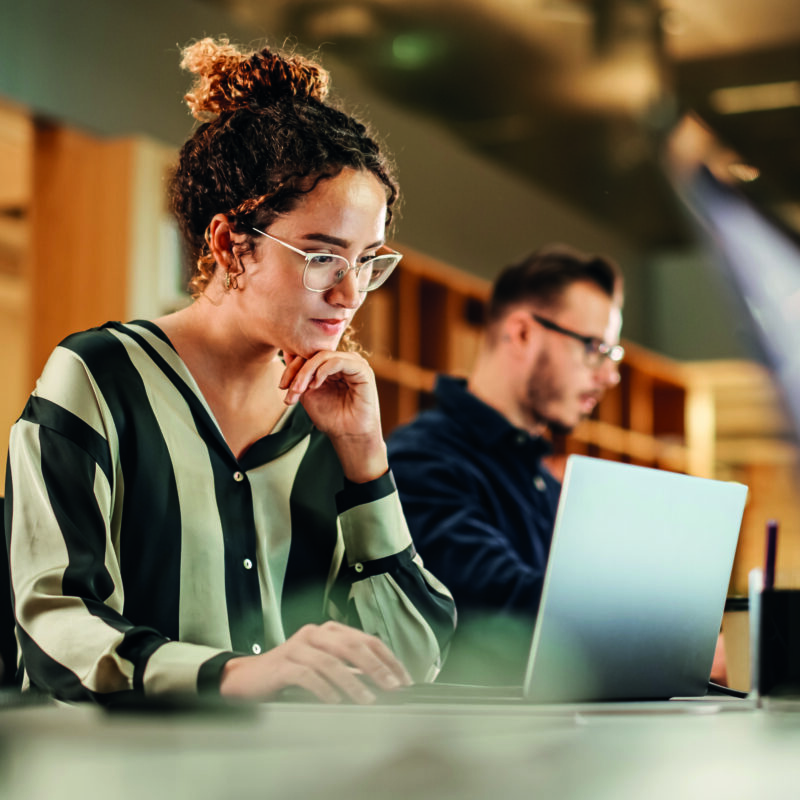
144	555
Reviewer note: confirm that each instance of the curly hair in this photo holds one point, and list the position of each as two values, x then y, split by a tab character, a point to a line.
268	136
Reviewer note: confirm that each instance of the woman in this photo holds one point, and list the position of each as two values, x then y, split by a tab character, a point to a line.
203	501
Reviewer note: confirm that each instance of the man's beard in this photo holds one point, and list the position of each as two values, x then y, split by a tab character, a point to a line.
540	391
558	428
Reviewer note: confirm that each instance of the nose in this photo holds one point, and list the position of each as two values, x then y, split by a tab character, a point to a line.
607	373
345	293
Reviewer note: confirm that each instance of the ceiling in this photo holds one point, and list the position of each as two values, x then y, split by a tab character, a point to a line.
576	95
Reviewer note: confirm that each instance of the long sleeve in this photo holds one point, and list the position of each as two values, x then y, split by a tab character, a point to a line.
479	503
144	554
64	487
391	594
451	518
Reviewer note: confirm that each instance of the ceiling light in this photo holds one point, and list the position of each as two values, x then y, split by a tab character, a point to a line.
345	21
673	22
627	83
415	50
565	10
760	97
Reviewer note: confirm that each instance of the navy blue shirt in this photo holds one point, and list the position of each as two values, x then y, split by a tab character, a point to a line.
479	501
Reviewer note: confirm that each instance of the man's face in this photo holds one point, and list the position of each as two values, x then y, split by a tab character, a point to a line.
561	388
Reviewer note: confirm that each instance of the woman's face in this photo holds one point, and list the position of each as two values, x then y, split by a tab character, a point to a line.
344	215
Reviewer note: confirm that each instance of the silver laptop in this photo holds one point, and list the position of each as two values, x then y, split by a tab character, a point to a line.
635	584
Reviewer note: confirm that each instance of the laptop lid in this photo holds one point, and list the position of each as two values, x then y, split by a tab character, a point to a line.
635	584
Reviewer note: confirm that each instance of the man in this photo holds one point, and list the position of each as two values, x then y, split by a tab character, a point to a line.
478	499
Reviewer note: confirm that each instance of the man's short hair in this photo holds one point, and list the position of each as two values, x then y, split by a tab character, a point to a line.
544	275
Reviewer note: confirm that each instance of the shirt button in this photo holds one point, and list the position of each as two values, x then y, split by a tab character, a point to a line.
256	648
248	564
237	476
539	483
358	567
521	438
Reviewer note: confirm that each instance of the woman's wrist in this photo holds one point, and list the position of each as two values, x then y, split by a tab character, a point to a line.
362	460
230	684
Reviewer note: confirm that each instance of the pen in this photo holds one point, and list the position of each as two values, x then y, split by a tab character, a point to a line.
772	543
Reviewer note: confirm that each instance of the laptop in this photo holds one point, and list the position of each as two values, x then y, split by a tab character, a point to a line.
633	593
635	584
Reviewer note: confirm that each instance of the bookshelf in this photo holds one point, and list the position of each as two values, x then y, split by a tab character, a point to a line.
16	191
426	319
719	419
85	237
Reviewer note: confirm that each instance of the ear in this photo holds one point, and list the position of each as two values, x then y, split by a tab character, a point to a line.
220	244
519	332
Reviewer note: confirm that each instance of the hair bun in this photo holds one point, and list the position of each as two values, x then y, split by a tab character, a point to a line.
228	79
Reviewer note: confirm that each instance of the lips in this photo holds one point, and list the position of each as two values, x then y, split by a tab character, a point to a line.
331	326
588	402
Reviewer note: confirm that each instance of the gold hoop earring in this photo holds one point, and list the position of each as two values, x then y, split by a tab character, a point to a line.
227	281
231	281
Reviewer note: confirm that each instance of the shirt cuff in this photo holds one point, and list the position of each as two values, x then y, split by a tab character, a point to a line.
180	667
210	675
372	521
356	494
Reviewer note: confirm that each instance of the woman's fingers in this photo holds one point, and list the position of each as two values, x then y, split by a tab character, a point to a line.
302	375
306	677
293	365
368	654
328	677
332	661
340	395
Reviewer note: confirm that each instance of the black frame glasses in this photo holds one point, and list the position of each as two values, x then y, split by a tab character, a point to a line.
595	350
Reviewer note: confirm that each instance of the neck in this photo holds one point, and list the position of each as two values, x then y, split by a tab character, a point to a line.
202	334
490	382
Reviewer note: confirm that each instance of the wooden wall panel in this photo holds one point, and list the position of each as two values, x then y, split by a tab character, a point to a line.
14	356
16	187
16	158
80	216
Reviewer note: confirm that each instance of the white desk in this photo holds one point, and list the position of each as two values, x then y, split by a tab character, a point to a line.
413	753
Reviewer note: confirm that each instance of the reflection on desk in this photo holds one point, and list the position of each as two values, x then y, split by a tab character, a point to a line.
729	750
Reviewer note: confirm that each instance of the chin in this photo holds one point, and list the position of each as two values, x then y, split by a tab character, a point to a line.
563	427
560	428
308	349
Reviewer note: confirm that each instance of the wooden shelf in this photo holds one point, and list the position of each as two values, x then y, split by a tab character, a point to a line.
82	241
16	193
632	445
16	158
719	419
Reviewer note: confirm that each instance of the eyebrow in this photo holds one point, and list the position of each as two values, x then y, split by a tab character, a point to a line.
335	240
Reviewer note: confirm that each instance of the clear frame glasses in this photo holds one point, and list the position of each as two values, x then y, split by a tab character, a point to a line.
595	351
324	270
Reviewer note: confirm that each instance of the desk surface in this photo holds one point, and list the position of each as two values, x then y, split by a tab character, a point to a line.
307	751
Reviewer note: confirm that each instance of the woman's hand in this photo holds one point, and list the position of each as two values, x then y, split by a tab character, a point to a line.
338	392
326	659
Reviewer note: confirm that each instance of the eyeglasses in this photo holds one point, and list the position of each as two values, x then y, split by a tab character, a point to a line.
595	350
324	270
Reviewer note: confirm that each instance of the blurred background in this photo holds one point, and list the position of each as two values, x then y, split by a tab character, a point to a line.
513	123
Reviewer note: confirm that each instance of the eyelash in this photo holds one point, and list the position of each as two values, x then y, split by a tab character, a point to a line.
362	259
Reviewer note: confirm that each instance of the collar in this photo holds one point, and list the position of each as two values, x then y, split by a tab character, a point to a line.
482	423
